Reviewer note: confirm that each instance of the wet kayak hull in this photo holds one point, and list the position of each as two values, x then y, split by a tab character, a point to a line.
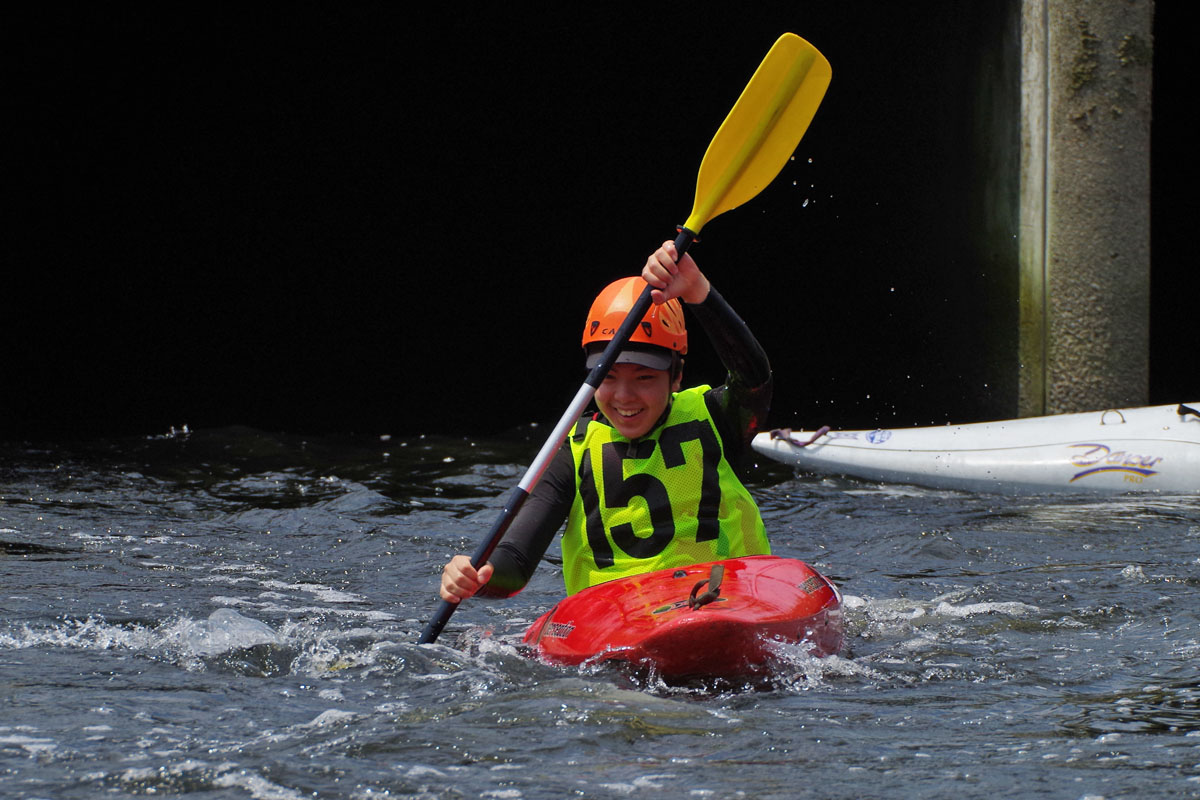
1148	449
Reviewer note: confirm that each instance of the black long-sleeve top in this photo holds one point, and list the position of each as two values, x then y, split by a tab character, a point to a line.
738	407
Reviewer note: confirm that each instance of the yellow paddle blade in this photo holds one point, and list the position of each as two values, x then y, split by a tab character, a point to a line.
762	130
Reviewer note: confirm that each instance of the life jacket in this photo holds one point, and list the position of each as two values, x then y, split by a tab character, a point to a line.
667	499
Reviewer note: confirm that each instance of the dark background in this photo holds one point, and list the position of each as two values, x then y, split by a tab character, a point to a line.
367	220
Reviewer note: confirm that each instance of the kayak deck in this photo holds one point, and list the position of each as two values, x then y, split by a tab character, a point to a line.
647	622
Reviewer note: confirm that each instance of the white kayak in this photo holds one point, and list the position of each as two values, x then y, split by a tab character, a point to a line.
1150	449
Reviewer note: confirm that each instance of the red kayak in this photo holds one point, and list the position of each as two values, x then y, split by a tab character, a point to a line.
715	620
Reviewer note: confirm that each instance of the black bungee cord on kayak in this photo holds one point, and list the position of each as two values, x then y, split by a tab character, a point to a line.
786	435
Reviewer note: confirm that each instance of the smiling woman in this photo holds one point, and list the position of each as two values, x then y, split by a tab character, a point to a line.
650	481
748	151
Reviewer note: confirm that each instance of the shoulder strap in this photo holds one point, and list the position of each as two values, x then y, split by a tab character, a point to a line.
580	429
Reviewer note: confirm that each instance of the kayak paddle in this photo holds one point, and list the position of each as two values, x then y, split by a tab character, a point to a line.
747	152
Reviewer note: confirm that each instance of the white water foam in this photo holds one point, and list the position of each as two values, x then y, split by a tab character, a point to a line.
223	631
332	716
640	784
33	745
1010	608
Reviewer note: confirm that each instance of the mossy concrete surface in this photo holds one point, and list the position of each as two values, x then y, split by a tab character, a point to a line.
1085	215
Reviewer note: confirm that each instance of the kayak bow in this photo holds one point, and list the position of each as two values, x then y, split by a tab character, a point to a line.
694	622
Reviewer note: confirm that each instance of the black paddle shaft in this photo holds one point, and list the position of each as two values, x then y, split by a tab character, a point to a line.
482	553
521	491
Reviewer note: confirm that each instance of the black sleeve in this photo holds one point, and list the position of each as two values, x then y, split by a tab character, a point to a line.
740	406
534	528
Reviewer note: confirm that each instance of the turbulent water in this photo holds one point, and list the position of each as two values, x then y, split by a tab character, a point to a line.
232	614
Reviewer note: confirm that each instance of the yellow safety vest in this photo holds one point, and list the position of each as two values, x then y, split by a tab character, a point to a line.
668	499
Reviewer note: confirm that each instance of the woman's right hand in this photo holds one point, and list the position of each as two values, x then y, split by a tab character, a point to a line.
460	580
671	278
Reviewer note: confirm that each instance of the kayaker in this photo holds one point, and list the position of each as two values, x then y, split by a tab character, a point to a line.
649	482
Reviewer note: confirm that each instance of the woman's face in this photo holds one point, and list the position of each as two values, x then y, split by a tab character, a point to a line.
633	397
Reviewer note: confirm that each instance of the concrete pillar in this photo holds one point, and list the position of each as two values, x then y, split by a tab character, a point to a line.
1084	238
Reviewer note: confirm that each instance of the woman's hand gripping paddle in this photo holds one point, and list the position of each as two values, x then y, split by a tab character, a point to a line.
747	152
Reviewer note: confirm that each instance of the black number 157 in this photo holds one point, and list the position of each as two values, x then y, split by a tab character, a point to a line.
619	491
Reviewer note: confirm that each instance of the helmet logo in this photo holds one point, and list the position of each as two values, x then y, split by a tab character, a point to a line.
647	329
595	324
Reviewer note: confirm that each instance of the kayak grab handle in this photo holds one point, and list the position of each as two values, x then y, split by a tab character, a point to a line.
715	576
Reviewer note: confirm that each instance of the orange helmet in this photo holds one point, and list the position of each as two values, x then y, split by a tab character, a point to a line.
656	343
